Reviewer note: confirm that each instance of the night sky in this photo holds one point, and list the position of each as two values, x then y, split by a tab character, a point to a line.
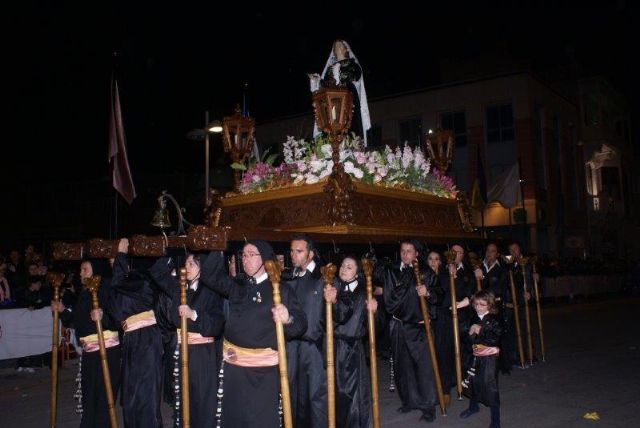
176	61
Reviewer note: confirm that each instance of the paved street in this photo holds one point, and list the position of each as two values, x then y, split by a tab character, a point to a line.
593	364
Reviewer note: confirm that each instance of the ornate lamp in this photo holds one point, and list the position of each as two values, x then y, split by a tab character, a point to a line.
238	138
333	108
440	146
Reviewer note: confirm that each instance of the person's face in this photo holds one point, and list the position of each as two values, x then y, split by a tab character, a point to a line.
35	286
348	269
300	254
459	253
193	268
480	306
252	260
34	270
3	268
14	256
408	253
86	271
339	49
492	253
434	261
514	250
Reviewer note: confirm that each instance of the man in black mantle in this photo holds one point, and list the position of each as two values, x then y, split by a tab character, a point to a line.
414	378
249	383
306	366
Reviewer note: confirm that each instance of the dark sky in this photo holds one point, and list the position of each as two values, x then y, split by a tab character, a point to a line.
176	61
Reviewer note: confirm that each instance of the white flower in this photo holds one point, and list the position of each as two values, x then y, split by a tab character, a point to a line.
302	166
316	165
357	172
377	178
326	150
299	179
312	179
407	156
326	172
348	167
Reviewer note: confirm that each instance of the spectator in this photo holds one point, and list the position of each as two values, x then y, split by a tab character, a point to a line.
5	290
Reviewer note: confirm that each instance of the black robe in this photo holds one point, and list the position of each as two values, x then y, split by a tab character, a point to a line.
95	412
353	388
414	378
203	377
483	387
305	357
142	349
250	395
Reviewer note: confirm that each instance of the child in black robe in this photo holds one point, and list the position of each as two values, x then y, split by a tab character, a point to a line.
484	337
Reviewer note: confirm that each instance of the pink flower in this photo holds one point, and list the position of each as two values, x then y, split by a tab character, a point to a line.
360	157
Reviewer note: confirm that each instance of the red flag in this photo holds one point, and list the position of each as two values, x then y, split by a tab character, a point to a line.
122	180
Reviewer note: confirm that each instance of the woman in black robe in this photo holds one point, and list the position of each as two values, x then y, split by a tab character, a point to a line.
95	412
484	338
205	324
248	394
141	303
353	388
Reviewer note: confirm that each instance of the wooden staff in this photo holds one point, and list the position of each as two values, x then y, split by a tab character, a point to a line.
432	348
451	260
527	315
516	316
328	274
93	284
274	276
475	263
184	353
56	280
538	308
367	266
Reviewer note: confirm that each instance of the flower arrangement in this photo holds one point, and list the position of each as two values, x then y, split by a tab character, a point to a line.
309	162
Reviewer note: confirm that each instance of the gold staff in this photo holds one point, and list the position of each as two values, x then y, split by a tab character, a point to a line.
367	266
274	276
451	260
93	284
538	308
516	316
184	353
328	274
432	349
527	316
56	280
475	263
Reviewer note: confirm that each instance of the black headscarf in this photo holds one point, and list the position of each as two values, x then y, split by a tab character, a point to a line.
264	248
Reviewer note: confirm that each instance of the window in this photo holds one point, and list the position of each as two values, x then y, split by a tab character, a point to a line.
500	124
455	121
411	132
374	137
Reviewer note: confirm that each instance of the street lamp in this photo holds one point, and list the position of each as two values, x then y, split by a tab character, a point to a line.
440	145
214	127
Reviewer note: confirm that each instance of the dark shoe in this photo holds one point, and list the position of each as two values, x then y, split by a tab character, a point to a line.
404	409
470	411
428	417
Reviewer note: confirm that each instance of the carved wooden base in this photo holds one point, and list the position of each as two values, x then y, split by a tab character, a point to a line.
379	215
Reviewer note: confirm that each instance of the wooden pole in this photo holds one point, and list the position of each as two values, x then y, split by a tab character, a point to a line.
184	354
367	266
475	263
538	308
432	349
56	280
273	270
451	260
516	317
328	274
527	315
93	284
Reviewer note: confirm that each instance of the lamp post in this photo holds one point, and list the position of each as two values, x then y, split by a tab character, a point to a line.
333	108
238	139
214	127
440	146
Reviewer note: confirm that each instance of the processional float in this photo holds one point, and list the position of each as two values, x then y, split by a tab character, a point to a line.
336	209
